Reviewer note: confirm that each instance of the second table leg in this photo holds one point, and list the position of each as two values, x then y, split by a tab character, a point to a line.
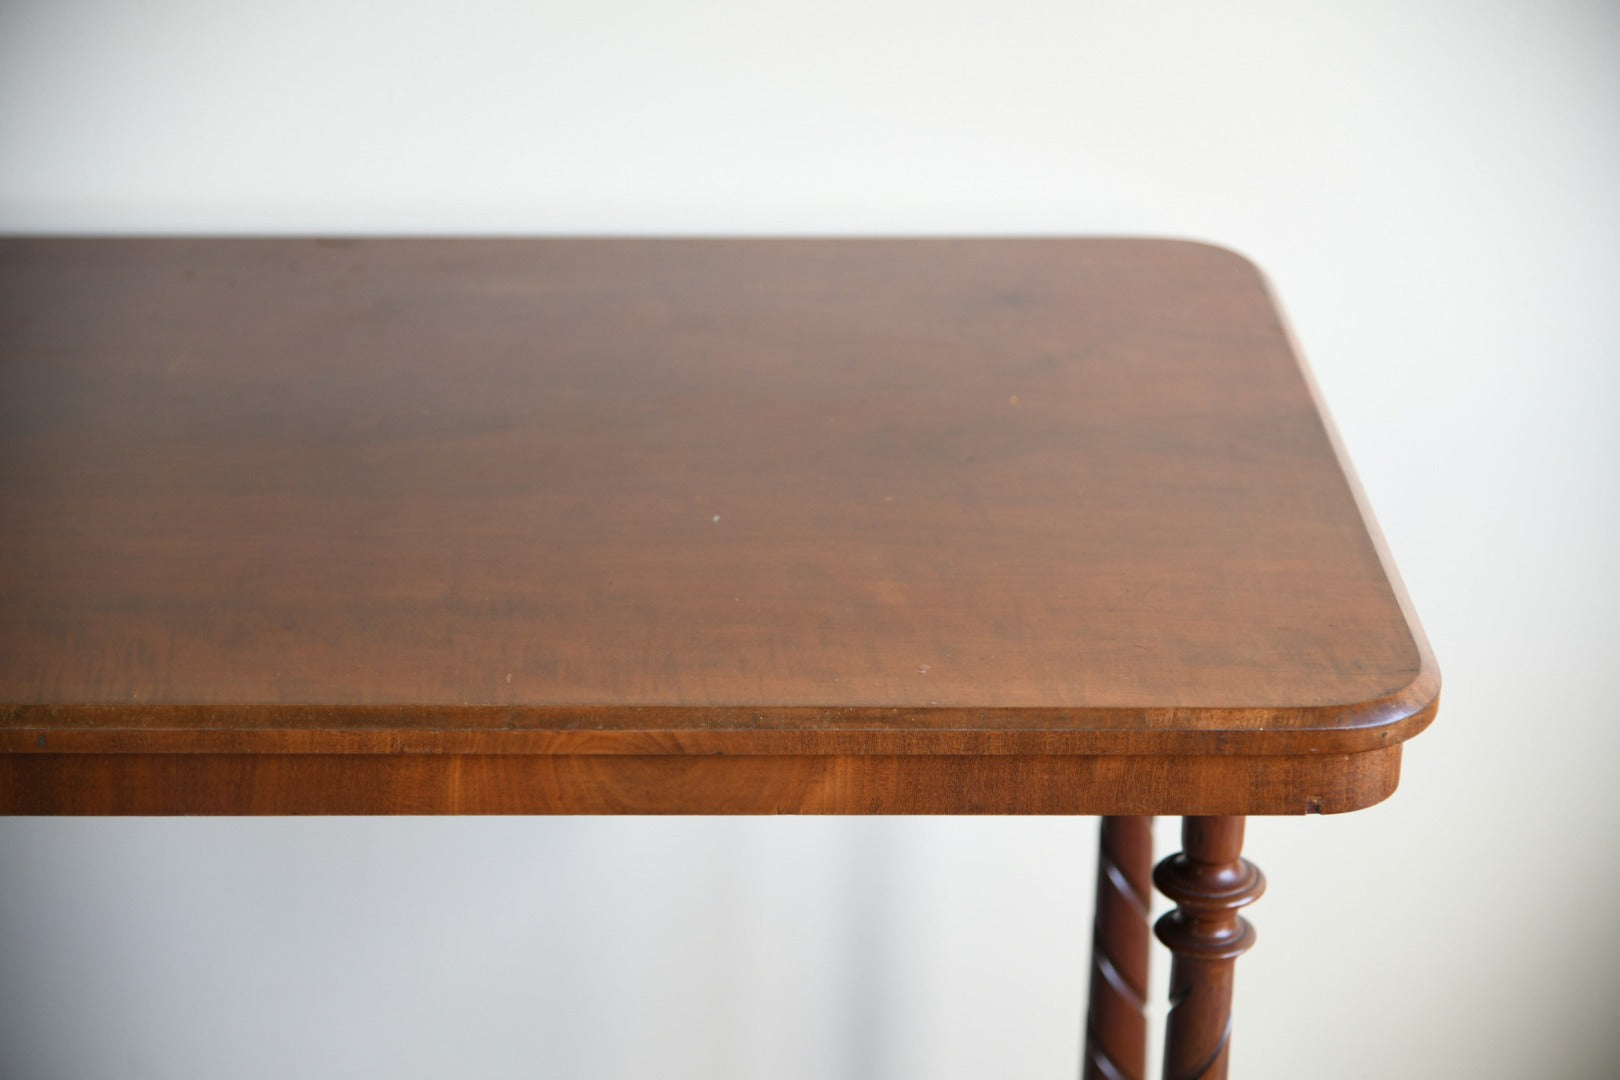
1116	1015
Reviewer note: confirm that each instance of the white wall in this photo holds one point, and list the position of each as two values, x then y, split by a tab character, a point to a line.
1433	189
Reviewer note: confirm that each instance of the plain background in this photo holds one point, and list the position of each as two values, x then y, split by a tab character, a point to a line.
1434	190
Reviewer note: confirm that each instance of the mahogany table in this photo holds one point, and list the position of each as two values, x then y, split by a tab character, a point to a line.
699	526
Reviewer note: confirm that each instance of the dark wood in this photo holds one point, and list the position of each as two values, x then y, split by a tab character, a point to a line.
370	783
1116	1012
1209	881
730	525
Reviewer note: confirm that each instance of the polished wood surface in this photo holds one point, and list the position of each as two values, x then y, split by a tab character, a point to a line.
1116	1009
1210	882
849	509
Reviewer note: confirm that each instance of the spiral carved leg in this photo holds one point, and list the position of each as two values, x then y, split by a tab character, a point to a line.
1116	1020
1209	881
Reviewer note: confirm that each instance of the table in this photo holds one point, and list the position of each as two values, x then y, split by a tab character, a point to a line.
730	526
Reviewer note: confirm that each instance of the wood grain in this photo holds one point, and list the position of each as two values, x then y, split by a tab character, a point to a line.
790	499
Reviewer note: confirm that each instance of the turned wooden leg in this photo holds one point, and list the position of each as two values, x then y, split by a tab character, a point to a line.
1209	881
1116	1017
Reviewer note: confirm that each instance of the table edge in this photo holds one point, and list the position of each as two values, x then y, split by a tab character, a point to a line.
601	729
293	784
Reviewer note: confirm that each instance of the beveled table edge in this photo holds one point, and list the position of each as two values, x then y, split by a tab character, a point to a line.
502	729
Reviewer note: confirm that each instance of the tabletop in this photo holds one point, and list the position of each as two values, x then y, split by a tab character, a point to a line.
680	525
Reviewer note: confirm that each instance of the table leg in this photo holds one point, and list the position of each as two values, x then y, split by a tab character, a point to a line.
1209	881
1116	1018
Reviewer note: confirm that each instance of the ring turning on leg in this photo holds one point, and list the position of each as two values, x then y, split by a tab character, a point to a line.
1209	881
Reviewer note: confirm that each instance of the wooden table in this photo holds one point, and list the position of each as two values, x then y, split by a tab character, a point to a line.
699	526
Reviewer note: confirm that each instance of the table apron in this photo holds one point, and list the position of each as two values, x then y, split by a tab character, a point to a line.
179	783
